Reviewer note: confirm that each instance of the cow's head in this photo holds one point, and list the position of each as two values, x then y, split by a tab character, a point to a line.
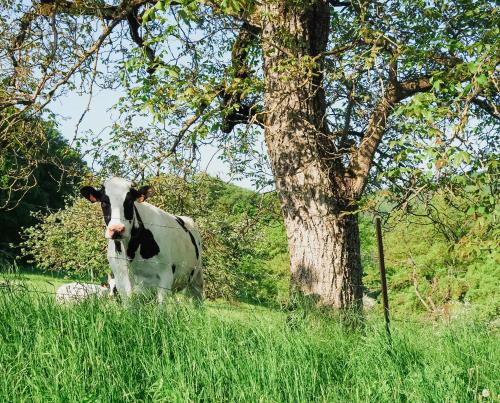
117	197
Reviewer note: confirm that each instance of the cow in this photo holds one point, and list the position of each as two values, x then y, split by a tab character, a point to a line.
77	292
149	250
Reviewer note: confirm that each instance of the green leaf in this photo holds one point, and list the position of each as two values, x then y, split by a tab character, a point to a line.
482	80
473	67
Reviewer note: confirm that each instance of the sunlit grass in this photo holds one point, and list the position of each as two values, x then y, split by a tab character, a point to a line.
101	351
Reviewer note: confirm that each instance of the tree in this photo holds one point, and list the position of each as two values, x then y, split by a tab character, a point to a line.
37	170
331	83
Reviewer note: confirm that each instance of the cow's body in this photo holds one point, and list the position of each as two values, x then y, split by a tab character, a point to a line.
149	250
174	268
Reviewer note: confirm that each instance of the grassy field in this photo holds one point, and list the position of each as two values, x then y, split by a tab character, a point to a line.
101	351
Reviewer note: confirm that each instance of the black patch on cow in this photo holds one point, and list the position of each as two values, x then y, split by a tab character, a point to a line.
193	241
133	243
143	238
118	246
173	269
128	204
158	277
106	209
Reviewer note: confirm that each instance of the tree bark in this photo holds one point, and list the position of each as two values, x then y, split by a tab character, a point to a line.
317	202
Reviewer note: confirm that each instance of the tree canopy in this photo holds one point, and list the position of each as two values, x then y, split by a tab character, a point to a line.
38	169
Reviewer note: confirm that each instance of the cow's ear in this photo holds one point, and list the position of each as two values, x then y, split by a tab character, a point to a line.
90	193
144	193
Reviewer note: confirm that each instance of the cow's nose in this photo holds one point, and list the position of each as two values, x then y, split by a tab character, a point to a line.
115	230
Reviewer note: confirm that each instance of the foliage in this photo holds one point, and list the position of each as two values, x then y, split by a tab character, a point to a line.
193	70
232	353
442	65
231	221
70	240
38	169
442	257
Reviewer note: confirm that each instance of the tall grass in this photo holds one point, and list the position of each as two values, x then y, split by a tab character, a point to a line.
101	351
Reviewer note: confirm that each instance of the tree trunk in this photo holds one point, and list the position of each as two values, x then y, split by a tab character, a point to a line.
314	190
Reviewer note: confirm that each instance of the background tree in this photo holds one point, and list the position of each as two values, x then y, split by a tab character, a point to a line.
37	170
337	87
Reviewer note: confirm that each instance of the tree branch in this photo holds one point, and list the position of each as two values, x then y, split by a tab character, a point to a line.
104	11
335	3
489	107
411	87
187	125
134	25
240	110
361	158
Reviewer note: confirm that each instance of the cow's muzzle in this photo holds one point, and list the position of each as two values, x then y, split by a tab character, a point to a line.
115	231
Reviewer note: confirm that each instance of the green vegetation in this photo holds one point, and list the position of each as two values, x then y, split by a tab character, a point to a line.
37	170
439	267
390	107
101	351
241	232
441	254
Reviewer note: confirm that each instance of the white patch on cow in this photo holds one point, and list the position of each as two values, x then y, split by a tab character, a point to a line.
116	189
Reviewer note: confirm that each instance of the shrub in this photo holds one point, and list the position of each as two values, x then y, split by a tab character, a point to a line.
231	221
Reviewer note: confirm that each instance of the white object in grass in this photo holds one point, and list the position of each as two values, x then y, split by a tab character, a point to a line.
77	292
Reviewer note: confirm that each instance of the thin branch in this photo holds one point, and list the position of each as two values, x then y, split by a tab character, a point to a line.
187	125
489	107
335	3
134	25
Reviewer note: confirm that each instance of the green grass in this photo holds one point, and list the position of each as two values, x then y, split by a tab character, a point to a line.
101	351
47	282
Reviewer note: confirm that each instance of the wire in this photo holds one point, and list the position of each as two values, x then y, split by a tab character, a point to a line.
24	288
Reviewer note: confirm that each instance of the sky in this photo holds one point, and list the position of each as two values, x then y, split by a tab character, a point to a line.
71	106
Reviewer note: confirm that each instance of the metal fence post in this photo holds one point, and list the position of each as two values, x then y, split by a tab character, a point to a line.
383	279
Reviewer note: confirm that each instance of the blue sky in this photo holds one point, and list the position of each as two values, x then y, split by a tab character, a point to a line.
100	115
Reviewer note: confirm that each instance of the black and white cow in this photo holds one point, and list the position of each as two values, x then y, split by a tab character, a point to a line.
148	249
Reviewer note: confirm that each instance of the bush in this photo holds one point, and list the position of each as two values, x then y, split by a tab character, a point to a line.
440	265
231	220
70	241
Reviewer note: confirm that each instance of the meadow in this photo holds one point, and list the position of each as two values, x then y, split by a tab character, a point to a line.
101	351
